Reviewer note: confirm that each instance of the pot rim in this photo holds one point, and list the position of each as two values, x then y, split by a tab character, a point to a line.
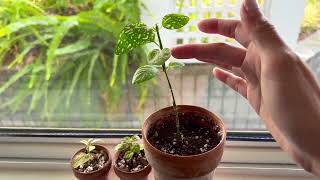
216	119
126	172
108	163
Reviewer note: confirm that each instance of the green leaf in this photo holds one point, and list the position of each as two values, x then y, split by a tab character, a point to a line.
159	57
144	73
174	21
92	64
80	159
15	78
98	23
135	138
128	155
94	141
38	67
124	68
22	93
122	146
37	94
55	42
72	48
56	96
91	148
114	70
32	21
19	58
118	147
133	36
135	148
85	142
153	53
90	140
175	65
74	82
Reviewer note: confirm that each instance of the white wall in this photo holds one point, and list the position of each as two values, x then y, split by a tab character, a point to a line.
286	15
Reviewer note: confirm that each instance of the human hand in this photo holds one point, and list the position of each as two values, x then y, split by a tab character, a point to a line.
270	75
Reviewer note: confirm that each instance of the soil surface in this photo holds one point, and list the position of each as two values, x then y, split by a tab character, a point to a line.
100	158
200	134
137	163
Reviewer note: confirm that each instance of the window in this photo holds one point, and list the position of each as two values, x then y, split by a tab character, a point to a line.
60	80
62	73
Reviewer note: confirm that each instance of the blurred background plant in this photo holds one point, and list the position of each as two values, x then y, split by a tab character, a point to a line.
311	21
57	57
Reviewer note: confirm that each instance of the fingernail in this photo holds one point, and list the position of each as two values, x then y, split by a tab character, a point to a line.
251	5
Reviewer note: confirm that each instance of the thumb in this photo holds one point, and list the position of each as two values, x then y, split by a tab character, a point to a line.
262	33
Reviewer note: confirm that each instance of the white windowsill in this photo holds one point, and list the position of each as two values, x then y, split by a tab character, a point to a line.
48	158
226	171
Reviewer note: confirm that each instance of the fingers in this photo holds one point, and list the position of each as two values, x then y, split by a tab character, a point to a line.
219	26
236	83
238	72
261	32
218	53
225	27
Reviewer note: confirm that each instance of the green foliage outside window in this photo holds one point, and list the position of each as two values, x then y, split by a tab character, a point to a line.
311	20
59	56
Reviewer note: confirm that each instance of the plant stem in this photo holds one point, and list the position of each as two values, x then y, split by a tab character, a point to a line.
174	105
159	38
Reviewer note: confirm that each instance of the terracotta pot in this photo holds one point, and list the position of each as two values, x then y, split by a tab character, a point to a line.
124	175
100	174
171	167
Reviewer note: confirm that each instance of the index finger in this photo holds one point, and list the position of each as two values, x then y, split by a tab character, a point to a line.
226	27
211	53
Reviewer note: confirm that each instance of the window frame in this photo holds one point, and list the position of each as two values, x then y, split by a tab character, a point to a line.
47	143
246	152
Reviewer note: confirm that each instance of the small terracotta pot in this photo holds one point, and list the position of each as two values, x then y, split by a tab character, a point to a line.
172	167
124	175
100	174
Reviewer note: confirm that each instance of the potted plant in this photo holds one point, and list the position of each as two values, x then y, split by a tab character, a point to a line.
92	162
180	142
130	161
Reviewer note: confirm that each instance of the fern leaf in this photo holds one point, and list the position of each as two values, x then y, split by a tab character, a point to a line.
55	96
74	82
114	70
33	6
15	78
31	21
124	67
38	92
73	48
19	57
92	63
97	21
55	42
46	103
22	93
38	36
36	68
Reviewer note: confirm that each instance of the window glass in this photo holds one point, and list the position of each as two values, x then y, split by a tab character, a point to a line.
58	67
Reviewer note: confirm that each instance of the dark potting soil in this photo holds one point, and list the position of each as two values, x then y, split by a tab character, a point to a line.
137	163
99	159
200	134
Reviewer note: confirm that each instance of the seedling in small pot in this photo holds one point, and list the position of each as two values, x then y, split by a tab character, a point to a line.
91	159
138	34
131	157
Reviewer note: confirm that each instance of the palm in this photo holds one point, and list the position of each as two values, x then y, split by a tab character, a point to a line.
251	69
